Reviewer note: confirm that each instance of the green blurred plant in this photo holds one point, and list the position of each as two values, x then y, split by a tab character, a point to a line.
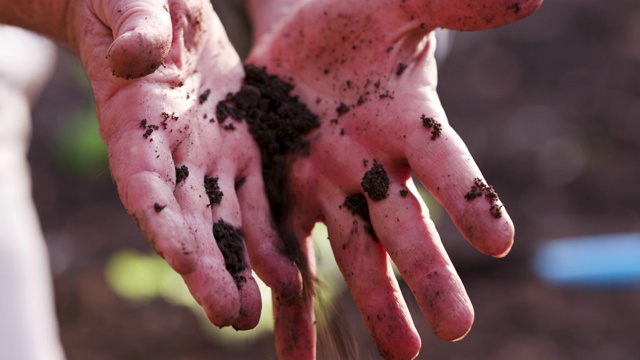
79	147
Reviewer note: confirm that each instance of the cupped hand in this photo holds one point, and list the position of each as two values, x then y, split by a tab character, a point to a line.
158	69
367	69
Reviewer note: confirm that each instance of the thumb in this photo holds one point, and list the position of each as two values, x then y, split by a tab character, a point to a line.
142	34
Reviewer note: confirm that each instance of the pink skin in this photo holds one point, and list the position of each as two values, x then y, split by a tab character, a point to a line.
350	52
182	46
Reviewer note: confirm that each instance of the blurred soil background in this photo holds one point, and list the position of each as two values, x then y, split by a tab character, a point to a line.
550	109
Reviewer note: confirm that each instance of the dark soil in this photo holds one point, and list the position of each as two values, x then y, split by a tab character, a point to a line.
357	204
213	191
433	124
157	207
481	189
375	182
230	241
404	192
182	173
204	96
278	122
342	109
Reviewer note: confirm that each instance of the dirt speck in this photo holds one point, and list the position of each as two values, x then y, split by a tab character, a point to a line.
204	96
342	109
404	193
375	182
182	173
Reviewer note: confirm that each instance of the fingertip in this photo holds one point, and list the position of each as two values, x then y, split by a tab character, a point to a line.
507	249
215	291
136	54
250	306
456	325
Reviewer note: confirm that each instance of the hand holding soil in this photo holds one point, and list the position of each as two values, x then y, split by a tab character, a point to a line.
183	176
367	69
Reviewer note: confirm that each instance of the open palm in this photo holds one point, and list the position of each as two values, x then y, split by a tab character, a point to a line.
158	69
367	69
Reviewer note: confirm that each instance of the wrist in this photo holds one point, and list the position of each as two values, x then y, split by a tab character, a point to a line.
56	19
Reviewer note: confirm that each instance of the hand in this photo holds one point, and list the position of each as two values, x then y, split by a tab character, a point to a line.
367	69
158	69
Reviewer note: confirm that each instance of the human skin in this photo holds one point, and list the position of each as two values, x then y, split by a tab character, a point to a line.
153	60
377	58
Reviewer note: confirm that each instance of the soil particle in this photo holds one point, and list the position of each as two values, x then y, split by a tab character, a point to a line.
229	127
481	189
278	122
157	207
404	193
213	191
182	173
204	96
515	7
149	128
401	68
230	241
375	182
433	124
342	109
357	204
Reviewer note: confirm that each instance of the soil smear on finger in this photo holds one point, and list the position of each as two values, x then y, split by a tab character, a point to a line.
433	124
230	241
213	191
481	189
357	204
278	122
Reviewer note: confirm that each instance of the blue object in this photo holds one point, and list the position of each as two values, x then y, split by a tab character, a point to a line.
602	260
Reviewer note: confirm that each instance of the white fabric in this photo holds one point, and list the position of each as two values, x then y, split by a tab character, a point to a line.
28	326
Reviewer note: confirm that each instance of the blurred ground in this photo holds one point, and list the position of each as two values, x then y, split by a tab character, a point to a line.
550	109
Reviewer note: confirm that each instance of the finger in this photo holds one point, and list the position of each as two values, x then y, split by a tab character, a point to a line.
402	224
142	34
211	284
445	166
470	15
367	271
294	327
145	184
268	255
230	239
